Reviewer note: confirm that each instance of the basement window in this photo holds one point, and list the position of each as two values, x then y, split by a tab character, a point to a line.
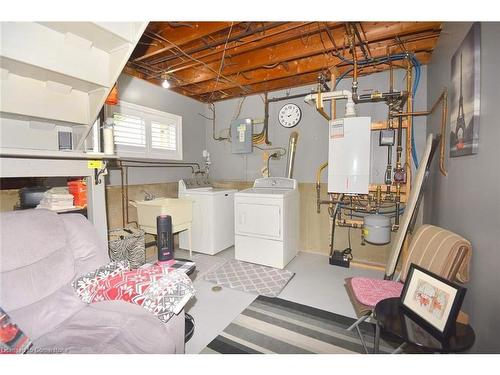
145	133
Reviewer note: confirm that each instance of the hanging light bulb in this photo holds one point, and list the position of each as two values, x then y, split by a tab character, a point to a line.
165	83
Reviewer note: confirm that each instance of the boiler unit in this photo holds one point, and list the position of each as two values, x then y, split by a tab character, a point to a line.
349	155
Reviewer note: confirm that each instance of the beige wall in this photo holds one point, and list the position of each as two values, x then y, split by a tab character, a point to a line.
314	228
135	192
8	199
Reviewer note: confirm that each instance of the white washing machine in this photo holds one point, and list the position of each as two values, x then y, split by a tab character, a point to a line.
212	228
267	222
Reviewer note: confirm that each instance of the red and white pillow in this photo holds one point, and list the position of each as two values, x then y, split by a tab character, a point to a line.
12	338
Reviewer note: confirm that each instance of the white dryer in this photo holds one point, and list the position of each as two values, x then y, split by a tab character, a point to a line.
267	222
212	228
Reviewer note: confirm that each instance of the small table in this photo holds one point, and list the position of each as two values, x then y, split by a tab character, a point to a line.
186	265
392	318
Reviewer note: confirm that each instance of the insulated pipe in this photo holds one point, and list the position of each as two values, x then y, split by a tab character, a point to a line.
292	148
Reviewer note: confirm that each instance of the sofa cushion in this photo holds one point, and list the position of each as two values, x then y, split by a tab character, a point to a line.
29	236
29	284
88	248
113	327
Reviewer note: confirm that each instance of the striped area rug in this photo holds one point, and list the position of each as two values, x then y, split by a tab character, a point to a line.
277	326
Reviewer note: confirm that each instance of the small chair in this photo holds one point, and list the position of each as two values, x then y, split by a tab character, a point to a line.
438	250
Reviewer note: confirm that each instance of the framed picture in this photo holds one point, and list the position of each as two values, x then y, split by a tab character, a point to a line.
465	92
432	300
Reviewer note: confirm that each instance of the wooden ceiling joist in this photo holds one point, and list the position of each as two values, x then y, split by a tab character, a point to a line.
181	36
297	80
212	61
303	65
291	50
274	36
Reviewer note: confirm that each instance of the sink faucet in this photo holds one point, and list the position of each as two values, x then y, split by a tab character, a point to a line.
147	195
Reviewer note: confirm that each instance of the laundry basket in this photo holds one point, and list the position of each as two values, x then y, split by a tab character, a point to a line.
127	244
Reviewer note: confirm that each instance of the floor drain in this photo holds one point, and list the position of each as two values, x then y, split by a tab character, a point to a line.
216	288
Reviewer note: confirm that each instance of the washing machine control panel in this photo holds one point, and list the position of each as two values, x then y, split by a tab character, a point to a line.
275	182
195	183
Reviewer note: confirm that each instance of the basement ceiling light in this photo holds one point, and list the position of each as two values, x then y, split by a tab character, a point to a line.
165	84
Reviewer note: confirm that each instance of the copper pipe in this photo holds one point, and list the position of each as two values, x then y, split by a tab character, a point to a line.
319	105
349	223
443	95
318	187
391	73
443	99
409	123
355	61
333	104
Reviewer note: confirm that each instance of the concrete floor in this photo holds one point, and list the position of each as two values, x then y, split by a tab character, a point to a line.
316	283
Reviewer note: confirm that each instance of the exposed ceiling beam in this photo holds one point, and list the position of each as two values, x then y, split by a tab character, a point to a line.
279	34
266	56
294	81
295	49
300	66
179	36
215	46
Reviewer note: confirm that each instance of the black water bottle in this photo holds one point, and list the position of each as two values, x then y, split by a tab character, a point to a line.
164	238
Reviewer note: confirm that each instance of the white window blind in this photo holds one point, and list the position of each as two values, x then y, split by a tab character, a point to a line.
163	136
129	130
142	132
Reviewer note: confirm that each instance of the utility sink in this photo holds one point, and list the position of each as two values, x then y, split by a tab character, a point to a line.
180	209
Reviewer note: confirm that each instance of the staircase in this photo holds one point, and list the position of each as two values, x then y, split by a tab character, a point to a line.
62	72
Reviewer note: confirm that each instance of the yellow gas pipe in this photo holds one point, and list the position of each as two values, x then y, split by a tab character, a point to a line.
318	187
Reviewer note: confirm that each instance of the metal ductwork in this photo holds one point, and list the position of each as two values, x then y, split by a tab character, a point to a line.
290	159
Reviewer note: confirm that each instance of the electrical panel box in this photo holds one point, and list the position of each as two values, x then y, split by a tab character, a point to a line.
349	154
241	136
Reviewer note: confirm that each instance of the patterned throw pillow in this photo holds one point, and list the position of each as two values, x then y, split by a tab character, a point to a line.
12	339
86	286
158	288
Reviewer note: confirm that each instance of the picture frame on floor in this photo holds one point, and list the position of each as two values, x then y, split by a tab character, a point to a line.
433	301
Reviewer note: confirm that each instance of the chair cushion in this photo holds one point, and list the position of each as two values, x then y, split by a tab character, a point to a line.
111	327
371	291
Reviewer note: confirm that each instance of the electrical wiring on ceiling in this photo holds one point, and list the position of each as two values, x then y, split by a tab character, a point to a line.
221	65
178	48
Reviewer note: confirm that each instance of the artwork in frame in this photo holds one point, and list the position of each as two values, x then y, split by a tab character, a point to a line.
465	105
432	300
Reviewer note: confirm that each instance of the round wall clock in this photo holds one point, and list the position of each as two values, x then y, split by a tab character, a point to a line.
289	115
